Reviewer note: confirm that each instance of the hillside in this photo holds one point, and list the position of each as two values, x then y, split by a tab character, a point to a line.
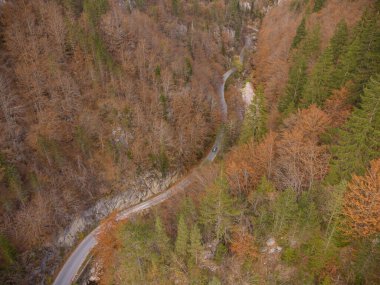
297	197
106	103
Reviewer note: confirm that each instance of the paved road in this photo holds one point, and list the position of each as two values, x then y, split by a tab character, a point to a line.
73	264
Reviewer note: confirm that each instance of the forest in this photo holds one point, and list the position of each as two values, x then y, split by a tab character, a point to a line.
296	197
95	94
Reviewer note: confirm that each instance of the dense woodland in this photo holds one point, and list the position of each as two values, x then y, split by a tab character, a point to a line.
95	93
296	199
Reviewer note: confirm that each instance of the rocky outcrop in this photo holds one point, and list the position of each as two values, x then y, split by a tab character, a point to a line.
144	187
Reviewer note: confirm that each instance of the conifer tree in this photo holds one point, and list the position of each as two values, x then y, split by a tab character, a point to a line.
195	243
294	87
318	5
319	85
360	137
362	58
254	125
217	210
181	243
338	42
162	240
300	33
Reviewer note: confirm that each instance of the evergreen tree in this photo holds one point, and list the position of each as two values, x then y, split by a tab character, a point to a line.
360	137
319	85
195	243
181	242
285	211
338	42
362	59
294	87
162	240
369	60
318	5
310	46
300	33
254	124
217	210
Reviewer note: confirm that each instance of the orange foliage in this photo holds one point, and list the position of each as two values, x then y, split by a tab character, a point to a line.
361	206
300	159
243	244
337	107
246	164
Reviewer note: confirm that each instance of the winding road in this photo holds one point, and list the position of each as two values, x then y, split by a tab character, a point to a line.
69	271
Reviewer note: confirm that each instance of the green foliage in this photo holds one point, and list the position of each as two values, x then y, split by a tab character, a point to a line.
310	46
362	58
83	140
181	243
176	7
10	176
300	33
295	86
214	281
290	256
73	6
365	262
51	150
285	211
94	9
317	255
195	243
188	69
217	210
160	161
220	252
359	138
318	86
165	106
161	239
339	41
7	253
318	5
255	120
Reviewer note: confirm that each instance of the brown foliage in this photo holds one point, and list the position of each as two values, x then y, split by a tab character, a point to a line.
276	35
243	244
301	160
246	164
337	107
361	205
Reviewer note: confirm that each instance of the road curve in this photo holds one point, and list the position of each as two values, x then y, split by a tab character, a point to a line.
73	264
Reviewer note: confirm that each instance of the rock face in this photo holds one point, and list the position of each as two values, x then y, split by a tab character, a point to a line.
146	186
142	188
247	93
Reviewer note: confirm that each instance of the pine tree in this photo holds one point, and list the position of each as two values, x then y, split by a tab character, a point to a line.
217	210
162	240
300	33
181	243
362	59
318	5
195	243
319	85
294	87
254	124
285	211
339	40
360	137
369	60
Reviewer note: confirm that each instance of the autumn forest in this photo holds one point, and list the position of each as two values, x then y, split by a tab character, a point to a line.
102	99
